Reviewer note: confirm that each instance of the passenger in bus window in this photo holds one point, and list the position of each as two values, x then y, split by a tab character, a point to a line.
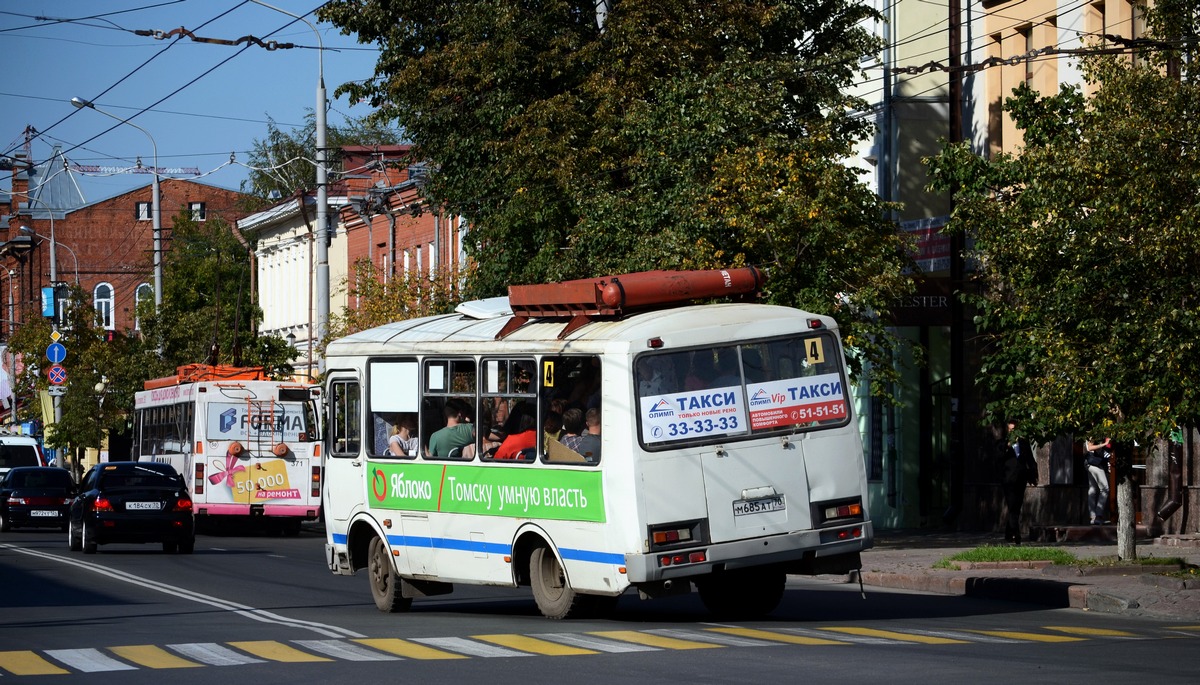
551	428
457	434
727	368
701	372
577	437
523	437
403	441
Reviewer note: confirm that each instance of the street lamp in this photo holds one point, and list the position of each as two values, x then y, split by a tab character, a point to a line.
322	190
156	214
54	245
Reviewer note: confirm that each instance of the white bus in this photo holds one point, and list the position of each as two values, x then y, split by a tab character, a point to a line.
246	446
727	455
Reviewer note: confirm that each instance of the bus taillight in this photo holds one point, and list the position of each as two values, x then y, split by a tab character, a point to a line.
683	558
198	486
316	481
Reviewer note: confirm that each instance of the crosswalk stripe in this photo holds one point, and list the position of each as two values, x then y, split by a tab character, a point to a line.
339	649
641	638
598	644
28	663
726	640
895	635
152	656
1092	632
470	647
958	635
527	643
404	648
856	639
88	660
276	651
1031	637
213	654
778	637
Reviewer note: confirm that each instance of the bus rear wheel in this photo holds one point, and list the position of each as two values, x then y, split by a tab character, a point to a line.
385	584
551	591
750	593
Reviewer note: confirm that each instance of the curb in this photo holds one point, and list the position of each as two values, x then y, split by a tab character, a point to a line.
1051	593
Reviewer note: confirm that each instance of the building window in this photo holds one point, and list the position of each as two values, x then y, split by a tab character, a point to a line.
102	299
196	209
144	293
145	211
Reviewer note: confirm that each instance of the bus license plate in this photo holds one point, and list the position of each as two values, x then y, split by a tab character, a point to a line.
43	512
143	506
743	507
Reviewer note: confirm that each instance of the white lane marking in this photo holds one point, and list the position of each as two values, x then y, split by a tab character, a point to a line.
226	605
597	643
213	654
345	650
88	660
465	646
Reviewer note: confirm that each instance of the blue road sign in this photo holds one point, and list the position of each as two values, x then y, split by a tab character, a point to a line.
56	352
57	375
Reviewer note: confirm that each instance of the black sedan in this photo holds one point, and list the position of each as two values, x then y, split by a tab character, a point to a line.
35	496
132	501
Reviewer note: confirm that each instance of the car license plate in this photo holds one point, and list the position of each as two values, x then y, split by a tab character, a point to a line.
143	506
743	507
43	512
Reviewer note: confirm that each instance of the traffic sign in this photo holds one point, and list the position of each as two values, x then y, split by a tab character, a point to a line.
56	352
57	375
57	390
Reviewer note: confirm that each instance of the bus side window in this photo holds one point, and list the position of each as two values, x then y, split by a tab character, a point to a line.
345	421
448	409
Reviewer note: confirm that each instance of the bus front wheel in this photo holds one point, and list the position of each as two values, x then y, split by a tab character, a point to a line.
751	593
385	584
554	596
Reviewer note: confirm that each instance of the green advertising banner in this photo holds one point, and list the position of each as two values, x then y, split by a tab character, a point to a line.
488	491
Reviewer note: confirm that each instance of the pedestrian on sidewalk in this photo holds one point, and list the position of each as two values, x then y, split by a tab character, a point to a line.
1099	455
1020	470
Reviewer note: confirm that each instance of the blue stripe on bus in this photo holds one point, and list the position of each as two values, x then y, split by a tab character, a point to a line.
591	555
491	548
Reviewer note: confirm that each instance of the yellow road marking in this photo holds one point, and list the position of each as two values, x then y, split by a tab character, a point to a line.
404	648
1033	637
1185	627
1093	632
533	644
654	640
777	637
893	635
28	663
276	651
152	657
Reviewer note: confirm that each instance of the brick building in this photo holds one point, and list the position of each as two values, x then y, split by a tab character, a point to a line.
106	247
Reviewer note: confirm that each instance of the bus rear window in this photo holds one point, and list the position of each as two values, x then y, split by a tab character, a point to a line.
714	394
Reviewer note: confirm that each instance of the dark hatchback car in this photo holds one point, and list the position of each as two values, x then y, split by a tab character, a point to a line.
132	501
35	496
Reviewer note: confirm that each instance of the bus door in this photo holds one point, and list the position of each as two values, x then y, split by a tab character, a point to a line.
346	480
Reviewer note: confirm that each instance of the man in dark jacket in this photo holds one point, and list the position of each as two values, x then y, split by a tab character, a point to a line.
1020	469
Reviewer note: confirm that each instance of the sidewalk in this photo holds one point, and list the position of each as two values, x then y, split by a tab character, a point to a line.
905	559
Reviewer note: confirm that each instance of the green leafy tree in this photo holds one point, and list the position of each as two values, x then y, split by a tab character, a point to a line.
1086	242
102	376
207	313
285	161
398	298
677	136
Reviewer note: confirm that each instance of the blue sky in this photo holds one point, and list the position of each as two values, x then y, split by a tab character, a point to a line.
200	102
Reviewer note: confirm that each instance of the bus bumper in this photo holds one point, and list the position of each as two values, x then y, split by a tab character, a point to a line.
806	552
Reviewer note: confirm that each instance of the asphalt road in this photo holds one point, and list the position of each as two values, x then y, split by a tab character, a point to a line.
259	609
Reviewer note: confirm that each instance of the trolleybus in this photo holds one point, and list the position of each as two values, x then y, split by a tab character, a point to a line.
246	446
718	449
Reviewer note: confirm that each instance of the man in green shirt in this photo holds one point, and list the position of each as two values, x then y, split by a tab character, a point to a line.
457	434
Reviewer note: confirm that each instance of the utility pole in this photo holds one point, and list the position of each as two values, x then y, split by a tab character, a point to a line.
958	379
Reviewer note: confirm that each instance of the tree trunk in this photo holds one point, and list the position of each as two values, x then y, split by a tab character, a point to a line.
1126	520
